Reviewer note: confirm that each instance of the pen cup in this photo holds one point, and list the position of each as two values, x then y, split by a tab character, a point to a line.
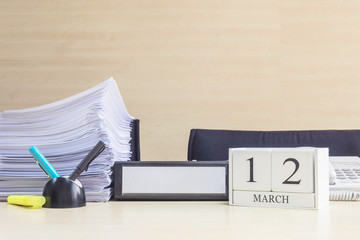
62	192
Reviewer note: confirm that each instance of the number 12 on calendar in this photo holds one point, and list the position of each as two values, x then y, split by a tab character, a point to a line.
279	177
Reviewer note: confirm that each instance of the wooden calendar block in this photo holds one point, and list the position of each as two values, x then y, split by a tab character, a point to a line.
292	171
253	168
274	199
279	177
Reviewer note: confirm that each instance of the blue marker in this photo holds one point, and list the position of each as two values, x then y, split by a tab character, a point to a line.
43	163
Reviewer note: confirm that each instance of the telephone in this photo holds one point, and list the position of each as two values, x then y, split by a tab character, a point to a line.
344	178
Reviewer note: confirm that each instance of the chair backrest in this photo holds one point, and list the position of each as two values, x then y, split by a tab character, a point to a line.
208	145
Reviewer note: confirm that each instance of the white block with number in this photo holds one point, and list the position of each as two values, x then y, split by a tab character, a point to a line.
298	177
292	170
253	168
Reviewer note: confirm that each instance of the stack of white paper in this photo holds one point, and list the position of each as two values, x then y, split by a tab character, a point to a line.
65	131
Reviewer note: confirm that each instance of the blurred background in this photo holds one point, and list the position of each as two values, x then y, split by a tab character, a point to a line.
245	65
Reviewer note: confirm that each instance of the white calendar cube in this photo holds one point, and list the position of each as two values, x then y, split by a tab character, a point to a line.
292	171
253	168
279	177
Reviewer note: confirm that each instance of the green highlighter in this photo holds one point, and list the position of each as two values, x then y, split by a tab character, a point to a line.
33	202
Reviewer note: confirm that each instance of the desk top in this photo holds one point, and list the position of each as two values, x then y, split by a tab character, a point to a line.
180	220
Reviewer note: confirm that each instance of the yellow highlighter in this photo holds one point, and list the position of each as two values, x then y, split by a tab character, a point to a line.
28	201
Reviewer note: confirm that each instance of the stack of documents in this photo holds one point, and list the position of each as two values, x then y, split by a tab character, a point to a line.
65	131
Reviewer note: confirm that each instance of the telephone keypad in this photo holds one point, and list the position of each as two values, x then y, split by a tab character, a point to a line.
349	173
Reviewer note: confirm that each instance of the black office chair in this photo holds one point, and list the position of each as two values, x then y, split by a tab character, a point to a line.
209	145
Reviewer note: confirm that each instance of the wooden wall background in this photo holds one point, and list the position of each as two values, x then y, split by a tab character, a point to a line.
232	64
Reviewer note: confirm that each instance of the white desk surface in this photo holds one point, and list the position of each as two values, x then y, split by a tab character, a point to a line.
180	220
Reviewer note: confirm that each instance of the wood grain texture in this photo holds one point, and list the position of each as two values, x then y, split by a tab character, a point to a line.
179	220
259	65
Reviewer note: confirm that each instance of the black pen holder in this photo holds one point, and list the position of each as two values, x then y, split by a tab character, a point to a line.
64	193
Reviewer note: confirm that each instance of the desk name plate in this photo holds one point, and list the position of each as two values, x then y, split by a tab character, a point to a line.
279	177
